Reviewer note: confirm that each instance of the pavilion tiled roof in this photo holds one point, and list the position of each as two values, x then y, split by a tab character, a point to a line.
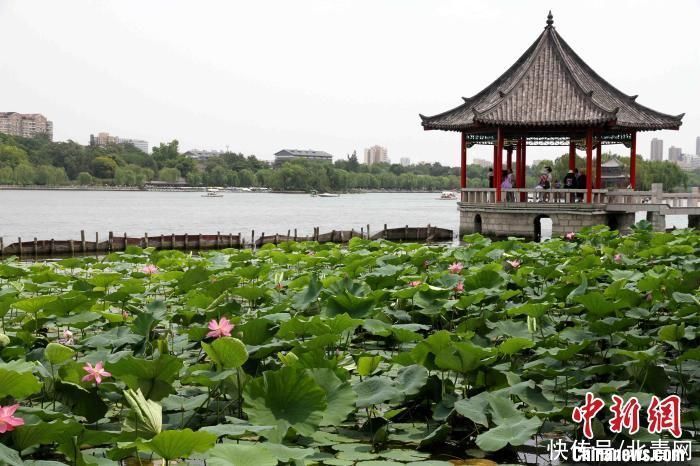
551	86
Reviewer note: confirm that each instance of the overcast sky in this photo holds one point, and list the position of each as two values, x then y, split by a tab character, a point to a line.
259	76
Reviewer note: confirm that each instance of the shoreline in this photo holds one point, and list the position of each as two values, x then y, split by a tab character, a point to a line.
190	189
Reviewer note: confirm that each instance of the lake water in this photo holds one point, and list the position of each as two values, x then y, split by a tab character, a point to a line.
62	214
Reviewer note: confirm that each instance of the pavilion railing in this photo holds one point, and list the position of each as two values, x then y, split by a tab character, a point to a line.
622	197
531	195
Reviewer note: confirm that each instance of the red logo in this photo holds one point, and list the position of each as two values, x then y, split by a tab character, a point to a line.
587	412
662	415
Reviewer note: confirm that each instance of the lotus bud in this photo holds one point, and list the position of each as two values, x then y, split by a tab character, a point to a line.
531	324
4	340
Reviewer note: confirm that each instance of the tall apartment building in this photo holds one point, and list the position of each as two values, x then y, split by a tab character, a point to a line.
657	150
376	154
675	154
26	125
697	145
105	139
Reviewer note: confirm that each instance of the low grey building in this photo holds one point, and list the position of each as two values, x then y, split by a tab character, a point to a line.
286	155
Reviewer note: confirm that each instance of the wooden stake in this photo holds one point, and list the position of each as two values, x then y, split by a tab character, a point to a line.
186	241
19	245
82	240
145	239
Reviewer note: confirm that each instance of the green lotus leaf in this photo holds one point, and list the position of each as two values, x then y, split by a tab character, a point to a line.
474	408
17	380
367	364
340	396
241	455
8	456
412	379
56	353
173	444
227	352
33	305
43	433
374	391
514	345
153	377
514	431
287	397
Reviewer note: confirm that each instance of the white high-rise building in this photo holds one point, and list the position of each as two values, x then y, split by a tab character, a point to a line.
405	161
376	154
675	154
657	150
697	145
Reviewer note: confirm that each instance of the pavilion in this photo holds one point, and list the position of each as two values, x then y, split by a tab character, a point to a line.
548	97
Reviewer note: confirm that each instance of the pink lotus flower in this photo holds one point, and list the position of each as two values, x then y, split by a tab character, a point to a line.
222	328
7	421
150	269
515	263
95	373
618	258
459	287
570	235
414	283
279	286
67	338
456	267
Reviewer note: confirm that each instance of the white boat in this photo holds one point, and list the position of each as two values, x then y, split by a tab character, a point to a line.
212	192
328	195
448	195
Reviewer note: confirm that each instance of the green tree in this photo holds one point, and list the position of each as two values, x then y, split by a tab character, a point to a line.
24	174
104	167
84	179
169	174
246	178
11	156
6	175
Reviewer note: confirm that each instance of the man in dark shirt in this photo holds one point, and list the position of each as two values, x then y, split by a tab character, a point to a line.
581	184
570	183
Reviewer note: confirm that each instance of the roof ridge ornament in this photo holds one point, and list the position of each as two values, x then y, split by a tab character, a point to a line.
550	20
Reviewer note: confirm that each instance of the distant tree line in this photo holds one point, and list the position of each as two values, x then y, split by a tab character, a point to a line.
38	161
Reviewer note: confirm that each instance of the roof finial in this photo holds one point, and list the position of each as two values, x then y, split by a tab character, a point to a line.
550	19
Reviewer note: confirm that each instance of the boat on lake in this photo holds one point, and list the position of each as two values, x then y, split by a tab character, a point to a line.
448	195
213	192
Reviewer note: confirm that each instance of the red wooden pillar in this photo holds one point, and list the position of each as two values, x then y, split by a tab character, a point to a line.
518	161
633	160
509	159
523	164
499	162
589	165
572	155
463	166
598	166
